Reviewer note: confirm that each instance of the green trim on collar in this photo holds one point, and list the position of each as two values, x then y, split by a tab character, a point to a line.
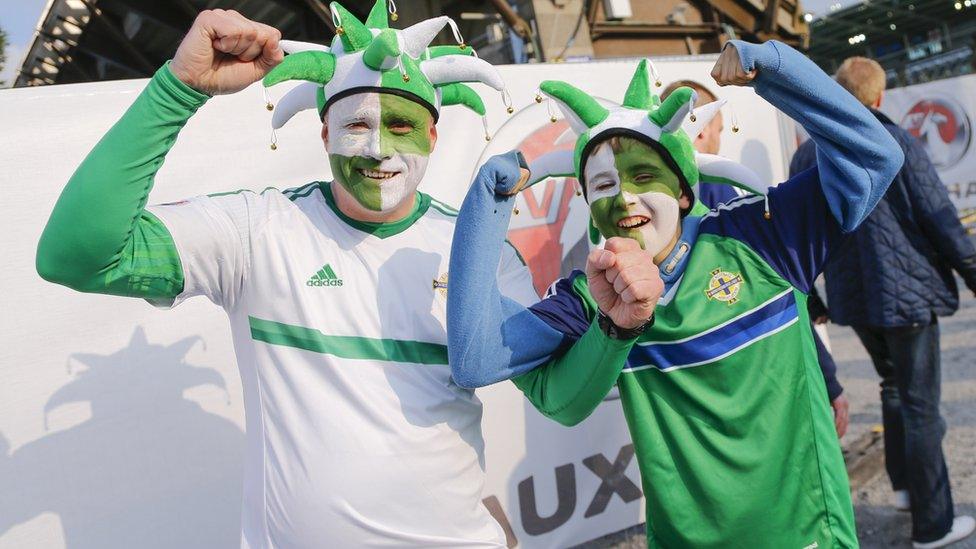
379	230
445	209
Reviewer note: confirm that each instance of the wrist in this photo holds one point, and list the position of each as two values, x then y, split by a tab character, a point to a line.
764	57
169	75
613	331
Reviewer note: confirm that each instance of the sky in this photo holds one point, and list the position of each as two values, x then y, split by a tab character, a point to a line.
19	18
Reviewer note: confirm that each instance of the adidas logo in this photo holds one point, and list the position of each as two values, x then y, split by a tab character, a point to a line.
325	277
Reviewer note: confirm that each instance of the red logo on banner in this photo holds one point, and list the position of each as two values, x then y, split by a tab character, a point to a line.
544	210
943	126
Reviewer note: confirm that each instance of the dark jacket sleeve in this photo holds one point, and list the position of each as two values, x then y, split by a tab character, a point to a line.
828	367
714	194
934	212
805	157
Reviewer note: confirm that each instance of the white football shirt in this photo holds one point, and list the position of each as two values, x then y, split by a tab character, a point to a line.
356	434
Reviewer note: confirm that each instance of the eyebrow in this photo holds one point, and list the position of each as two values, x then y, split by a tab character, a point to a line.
397	119
394	117
598	175
648	167
358	117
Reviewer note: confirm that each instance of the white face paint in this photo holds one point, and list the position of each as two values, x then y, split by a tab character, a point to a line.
355	130
602	178
664	212
652	215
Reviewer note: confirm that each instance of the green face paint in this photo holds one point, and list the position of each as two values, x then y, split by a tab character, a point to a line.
378	147
633	193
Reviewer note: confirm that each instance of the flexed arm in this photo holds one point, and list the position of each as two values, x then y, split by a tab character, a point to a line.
622	281
566	361
856	159
490	337
99	237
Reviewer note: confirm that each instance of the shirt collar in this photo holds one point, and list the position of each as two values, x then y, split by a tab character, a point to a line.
674	264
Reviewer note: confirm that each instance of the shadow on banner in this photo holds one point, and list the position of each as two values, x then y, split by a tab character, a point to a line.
149	469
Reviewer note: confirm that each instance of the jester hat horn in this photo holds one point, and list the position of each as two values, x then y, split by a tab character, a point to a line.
372	57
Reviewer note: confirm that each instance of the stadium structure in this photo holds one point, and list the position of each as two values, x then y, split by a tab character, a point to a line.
92	40
914	40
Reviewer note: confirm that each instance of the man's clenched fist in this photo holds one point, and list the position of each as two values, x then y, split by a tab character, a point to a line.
224	52
728	69
624	281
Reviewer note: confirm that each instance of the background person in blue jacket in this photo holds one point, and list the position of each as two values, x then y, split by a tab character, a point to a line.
890	281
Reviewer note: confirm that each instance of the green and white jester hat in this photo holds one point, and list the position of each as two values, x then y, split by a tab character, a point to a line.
664	126
372	57
378	89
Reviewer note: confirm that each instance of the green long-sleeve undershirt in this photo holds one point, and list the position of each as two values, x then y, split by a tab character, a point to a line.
568	389
99	237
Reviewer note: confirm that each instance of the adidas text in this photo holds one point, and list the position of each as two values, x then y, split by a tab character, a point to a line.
317	282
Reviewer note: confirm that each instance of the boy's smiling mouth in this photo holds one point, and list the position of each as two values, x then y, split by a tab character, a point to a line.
633	222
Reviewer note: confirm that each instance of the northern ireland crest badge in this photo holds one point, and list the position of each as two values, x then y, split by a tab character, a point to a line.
724	286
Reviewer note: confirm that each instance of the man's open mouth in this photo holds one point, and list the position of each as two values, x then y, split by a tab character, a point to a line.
376	174
633	222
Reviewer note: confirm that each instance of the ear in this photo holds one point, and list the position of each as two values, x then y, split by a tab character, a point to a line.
325	133
433	134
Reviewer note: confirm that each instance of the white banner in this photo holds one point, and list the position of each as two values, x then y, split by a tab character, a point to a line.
121	425
941	115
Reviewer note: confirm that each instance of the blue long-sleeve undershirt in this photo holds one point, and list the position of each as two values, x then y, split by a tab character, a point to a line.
479	318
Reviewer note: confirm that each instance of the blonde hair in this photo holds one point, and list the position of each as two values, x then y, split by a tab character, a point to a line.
863	77
705	95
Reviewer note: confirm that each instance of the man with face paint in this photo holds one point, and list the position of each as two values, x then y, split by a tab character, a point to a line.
335	292
379	151
720	386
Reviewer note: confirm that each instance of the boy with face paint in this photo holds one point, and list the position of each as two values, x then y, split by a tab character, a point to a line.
335	291
720	386
634	194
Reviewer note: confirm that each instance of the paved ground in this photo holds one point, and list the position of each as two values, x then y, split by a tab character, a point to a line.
879	524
